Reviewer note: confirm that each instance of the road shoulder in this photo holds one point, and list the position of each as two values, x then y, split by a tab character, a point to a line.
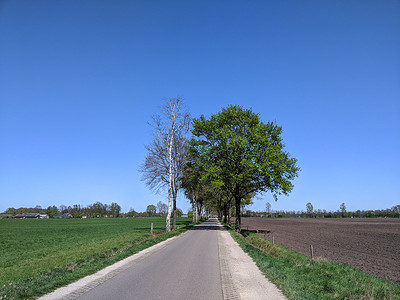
245	281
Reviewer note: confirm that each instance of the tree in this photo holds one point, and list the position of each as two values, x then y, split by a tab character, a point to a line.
62	208
163	165
99	209
396	211
11	211
131	213
162	208
37	209
179	212
242	155
52	211
190	182
268	208
202	192
114	209
309	208
343	209
151	210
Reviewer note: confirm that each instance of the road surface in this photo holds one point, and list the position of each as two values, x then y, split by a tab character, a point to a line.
203	263
188	268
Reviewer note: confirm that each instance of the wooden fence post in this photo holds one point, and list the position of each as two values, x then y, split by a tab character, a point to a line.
312	252
151	230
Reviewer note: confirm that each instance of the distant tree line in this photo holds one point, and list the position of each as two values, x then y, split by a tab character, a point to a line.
160	210
393	212
94	210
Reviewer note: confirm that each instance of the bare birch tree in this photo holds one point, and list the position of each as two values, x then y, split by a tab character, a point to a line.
166	155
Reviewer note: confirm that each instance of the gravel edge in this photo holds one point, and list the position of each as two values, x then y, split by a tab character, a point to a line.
248	281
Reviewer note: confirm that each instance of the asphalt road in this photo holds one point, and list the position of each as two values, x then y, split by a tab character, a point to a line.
187	268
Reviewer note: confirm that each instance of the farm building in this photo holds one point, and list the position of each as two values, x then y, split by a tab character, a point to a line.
64	216
6	216
28	216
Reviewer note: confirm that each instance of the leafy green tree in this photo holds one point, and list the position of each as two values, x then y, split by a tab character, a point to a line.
396	211
11	211
37	209
309	208
131	213
52	211
343	209
23	210
151	210
197	190
242	155
179	212
114	209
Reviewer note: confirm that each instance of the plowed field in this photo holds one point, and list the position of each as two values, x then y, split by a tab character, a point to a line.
369	245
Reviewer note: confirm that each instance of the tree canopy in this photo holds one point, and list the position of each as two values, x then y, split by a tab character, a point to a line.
240	155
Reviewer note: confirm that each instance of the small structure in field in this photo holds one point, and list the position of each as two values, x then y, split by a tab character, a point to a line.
6	216
28	216
64	216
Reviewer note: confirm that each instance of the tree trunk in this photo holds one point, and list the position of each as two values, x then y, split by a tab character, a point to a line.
174	215
238	221
229	211
225	212
219	209
168	220
196	212
193	208
201	210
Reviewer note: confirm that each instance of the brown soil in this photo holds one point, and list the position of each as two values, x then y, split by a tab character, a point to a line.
369	245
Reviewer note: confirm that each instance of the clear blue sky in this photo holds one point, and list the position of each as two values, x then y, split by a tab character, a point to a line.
79	80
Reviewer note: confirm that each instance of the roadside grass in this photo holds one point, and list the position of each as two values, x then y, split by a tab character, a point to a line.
300	277
38	256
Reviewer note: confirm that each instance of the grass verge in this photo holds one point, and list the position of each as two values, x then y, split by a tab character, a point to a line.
300	277
77	267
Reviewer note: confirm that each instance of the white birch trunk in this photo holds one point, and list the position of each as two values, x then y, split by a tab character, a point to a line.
163	160
168	219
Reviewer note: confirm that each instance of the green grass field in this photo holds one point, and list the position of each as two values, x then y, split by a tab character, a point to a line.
37	256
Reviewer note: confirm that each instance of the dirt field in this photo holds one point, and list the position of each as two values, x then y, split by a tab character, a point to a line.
369	245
